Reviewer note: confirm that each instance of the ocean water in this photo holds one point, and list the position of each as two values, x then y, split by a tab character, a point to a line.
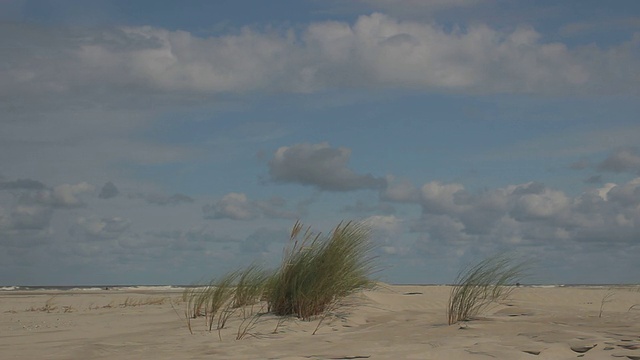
160	288
97	288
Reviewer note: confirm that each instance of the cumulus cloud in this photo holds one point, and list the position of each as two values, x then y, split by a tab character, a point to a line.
27	209
374	51
529	214
61	196
385	232
22	184
388	223
545	204
237	206
627	195
321	166
437	197
92	228
25	217
108	191
29	206
623	160
400	190
163	200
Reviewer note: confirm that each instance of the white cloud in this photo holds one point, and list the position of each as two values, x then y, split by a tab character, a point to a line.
386	232
544	205
24	218
66	195
77	104
604	190
530	214
623	160
92	228
234	206
162	199
438	197
626	194
388	223
400	190
321	166
61	196
114	81
237	206
21	184
374	51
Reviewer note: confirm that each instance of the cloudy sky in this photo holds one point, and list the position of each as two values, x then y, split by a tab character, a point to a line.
164	142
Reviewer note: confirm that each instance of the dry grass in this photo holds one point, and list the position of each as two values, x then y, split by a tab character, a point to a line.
132	302
250	286
317	271
606	298
49	306
478	286
208	300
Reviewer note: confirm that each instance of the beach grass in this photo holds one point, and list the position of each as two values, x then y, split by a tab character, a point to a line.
49	306
209	299
476	287
250	286
130	301
216	295
316	271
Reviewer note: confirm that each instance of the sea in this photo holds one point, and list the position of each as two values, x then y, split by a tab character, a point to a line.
77	288
177	288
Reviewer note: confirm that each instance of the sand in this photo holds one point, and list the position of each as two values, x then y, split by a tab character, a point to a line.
391	322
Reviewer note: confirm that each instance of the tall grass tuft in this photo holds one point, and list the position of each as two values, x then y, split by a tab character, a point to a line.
316	272
208	300
478	286
250	286
216	295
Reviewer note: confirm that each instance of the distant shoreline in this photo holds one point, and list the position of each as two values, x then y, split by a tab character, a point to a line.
88	288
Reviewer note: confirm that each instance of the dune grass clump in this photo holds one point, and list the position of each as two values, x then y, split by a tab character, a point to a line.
216	295
250	286
129	301
208	300
317	271
49	306
476	287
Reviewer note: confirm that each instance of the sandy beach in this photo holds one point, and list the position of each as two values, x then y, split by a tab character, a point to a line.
392	321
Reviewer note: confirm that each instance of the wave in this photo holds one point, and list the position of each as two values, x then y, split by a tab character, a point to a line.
96	288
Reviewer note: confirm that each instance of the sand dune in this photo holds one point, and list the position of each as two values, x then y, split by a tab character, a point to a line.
391	322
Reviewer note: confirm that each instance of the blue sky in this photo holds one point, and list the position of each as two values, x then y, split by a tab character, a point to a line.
165	142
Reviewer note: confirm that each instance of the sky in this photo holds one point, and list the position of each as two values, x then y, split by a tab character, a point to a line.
167	142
